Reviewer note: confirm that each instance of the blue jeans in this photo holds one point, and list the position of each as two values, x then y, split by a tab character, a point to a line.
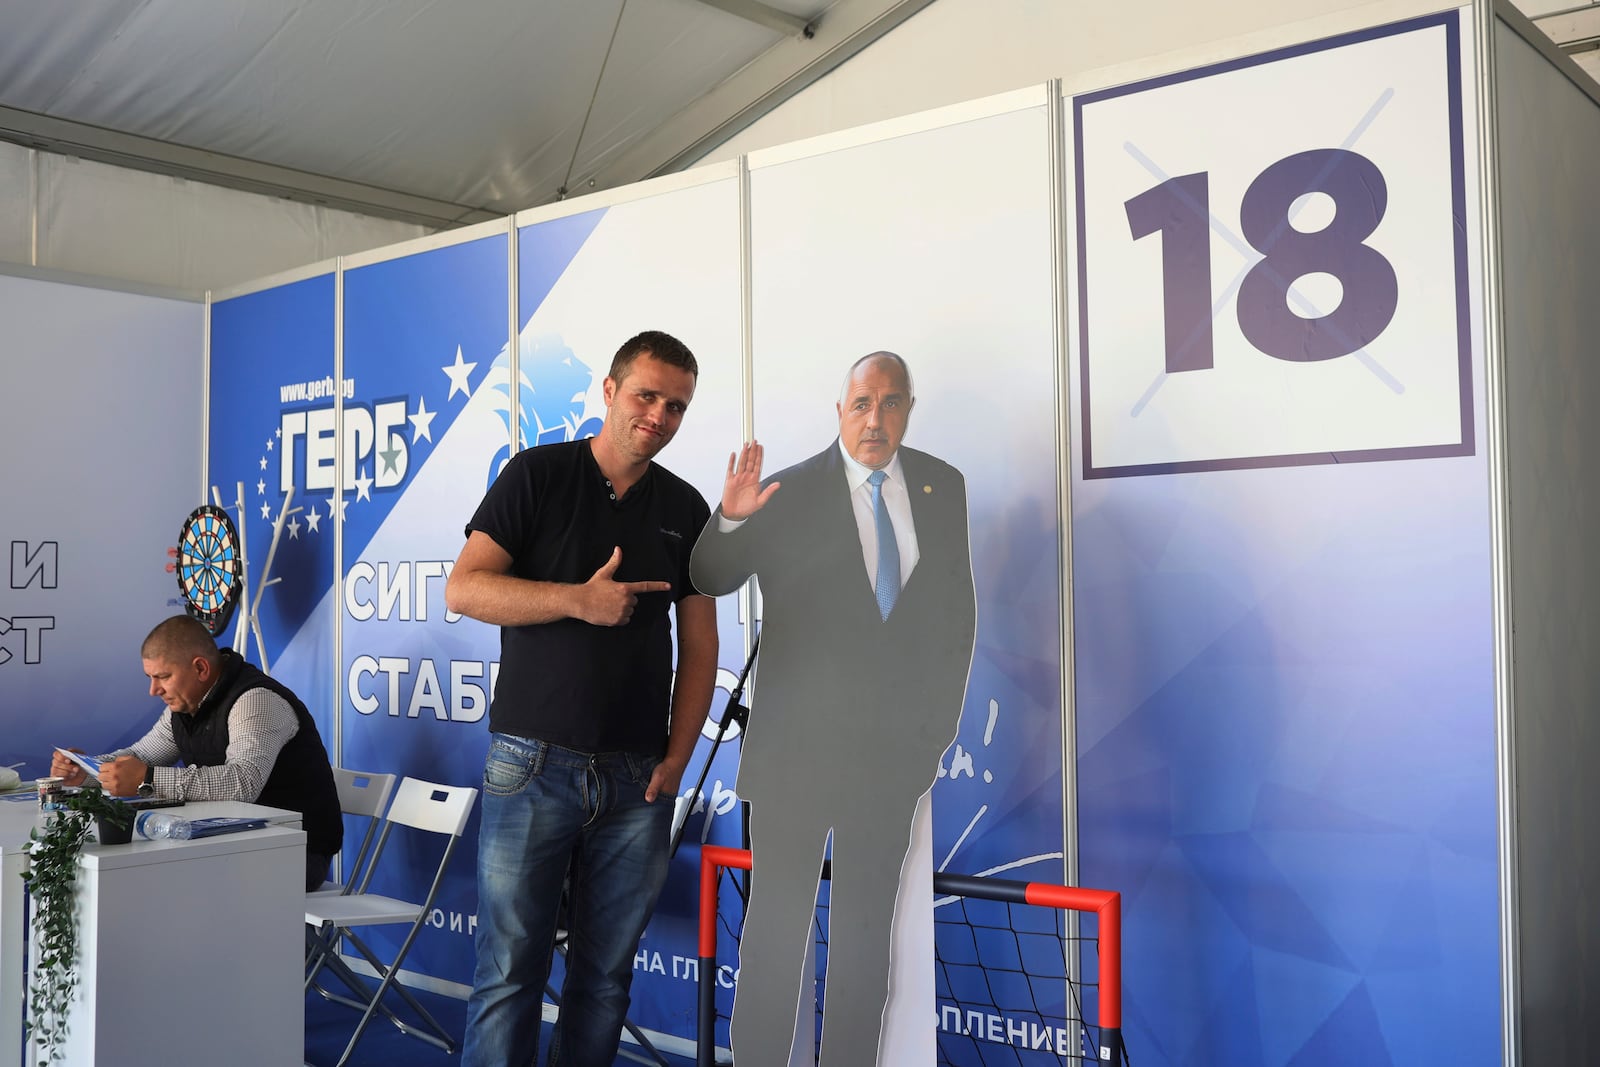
550	814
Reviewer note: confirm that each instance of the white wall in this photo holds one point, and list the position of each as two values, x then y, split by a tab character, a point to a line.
100	405
1548	155
62	213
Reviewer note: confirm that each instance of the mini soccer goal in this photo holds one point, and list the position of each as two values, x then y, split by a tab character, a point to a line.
1027	973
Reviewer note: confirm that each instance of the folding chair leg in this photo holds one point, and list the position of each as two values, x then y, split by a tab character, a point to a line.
653	1056
324	945
388	973
355	984
318	947
366	1017
444	1039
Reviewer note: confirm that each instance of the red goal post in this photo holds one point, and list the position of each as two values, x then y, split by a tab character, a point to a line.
1104	904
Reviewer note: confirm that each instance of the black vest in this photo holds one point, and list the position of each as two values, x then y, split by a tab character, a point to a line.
301	779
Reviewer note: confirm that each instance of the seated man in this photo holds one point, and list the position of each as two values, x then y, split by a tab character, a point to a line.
240	735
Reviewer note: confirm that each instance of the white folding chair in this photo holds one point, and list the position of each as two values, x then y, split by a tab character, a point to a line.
440	809
362	795
365	796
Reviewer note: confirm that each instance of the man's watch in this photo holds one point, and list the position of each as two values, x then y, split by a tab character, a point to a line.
148	786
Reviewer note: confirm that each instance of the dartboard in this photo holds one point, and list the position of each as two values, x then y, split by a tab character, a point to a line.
209	566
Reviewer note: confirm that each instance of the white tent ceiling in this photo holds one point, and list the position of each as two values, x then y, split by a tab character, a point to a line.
434	111
437	112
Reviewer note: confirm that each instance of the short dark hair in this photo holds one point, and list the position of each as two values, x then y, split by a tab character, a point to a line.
657	345
179	639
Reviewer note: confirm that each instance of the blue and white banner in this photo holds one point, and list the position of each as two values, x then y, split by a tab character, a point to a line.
1283	660
425	359
272	444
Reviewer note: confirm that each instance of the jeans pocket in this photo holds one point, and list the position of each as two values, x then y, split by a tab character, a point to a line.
508	768
640	768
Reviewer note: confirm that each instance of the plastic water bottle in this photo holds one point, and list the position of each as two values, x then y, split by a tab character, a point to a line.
158	825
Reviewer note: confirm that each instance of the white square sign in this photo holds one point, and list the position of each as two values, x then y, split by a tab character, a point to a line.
1272	259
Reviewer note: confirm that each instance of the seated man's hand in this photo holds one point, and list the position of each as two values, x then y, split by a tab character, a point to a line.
122	776
70	773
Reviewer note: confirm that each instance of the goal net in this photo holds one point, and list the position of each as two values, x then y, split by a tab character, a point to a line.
1027	973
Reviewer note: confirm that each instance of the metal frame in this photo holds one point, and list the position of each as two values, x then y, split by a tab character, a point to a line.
770	17
1483	26
69	138
1061	264
922	121
626	194
274	281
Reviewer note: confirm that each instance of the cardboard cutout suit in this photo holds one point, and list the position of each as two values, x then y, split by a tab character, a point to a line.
850	717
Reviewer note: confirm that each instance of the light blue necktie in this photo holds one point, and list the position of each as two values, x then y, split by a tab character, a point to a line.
888	587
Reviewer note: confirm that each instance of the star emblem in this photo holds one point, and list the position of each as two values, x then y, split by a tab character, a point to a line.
312	518
420	424
261	487
363	486
340	513
458	373
294	529
263	462
388	456
269	444
266	511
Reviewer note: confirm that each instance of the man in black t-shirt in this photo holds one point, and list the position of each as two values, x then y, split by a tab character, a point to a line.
580	554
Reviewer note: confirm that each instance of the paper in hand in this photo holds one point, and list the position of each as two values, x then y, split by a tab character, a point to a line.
88	763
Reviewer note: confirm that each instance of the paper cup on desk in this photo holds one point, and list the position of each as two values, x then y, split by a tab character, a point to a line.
51	791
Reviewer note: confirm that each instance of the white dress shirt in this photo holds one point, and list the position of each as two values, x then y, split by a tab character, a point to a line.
260	723
898	501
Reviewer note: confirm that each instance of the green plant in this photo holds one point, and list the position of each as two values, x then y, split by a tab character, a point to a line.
52	878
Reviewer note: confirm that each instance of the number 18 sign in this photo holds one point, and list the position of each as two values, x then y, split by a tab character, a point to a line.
1272	259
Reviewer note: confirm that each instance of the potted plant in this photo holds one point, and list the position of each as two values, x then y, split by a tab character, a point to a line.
52	878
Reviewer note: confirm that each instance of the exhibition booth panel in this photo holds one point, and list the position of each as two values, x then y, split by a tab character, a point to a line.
1261	378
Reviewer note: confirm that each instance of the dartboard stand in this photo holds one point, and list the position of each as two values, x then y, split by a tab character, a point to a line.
213	568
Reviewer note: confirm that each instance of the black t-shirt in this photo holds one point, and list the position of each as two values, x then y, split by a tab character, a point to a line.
585	687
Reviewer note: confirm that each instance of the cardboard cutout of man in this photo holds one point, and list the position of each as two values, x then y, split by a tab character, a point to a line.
867	637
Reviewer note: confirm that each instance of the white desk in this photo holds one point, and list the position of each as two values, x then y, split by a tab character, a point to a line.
234	809
17	819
